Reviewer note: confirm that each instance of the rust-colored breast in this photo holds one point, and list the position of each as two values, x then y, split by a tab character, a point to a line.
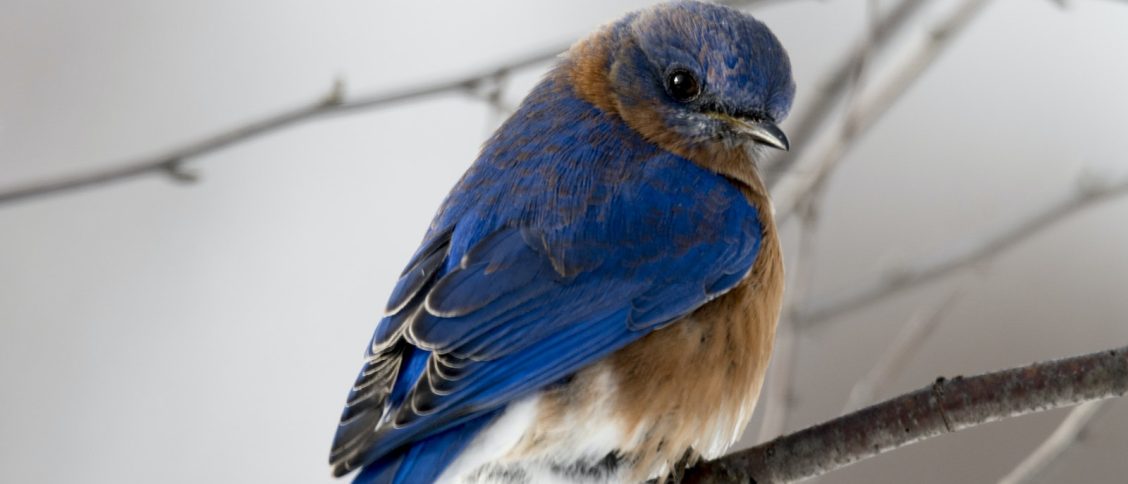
695	383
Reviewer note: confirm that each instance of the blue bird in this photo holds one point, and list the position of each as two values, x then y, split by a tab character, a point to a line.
597	296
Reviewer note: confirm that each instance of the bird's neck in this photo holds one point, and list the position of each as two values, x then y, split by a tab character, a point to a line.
587	68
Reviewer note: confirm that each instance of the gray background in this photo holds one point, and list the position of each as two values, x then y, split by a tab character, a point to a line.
209	333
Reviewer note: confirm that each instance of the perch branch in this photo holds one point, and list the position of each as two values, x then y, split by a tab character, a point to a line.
977	250
945	406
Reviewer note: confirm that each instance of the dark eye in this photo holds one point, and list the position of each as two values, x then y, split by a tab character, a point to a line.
682	85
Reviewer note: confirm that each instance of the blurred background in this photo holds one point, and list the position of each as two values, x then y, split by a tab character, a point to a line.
208	332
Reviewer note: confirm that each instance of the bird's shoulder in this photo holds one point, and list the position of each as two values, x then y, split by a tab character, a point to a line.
569	237
564	166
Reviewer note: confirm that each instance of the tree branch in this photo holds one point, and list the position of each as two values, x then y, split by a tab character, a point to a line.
944	406
171	161
865	114
779	396
838	83
975	251
899	352
1064	436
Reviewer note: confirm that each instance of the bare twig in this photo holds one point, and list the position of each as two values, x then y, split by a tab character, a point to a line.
468	83
889	365
171	161
866	113
837	84
972	252
779	397
1071	428
942	407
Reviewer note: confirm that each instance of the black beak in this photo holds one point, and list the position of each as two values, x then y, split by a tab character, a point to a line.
757	127
766	133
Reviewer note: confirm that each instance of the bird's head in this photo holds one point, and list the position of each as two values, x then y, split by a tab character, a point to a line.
694	76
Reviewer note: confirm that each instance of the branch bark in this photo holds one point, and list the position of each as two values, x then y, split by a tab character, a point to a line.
945	406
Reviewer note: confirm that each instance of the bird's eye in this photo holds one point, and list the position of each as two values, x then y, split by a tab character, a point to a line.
682	85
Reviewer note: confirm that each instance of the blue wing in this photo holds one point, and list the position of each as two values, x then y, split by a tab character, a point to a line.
533	270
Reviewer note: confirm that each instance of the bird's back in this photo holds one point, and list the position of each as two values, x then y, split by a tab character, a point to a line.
576	174
589	304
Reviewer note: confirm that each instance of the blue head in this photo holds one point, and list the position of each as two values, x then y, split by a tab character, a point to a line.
691	75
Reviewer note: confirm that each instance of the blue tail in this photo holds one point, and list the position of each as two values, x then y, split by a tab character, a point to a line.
424	461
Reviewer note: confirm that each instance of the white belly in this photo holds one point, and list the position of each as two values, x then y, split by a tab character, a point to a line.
535	442
578	433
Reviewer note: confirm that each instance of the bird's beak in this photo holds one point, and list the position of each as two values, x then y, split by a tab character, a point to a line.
761	131
767	133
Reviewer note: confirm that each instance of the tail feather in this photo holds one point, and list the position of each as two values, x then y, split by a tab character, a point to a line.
426	460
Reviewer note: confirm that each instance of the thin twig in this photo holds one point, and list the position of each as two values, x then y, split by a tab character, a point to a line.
866	113
461	84
974	251
837	84
779	396
945	406
778	393
893	360
171	161
1070	430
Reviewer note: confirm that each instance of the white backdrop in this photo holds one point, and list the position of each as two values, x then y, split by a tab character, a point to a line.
209	333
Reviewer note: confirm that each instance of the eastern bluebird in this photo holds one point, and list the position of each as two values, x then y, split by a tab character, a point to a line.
596	298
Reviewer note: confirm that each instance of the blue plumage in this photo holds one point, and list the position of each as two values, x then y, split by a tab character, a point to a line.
550	266
571	236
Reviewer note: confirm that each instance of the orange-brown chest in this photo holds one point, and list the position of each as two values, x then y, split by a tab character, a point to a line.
694	383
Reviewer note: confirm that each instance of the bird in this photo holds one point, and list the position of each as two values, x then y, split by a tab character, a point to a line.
596	298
